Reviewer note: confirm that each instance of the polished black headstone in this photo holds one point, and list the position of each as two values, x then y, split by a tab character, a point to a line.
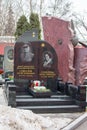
31	35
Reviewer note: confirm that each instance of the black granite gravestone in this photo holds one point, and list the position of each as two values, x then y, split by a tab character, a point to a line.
31	35
35	60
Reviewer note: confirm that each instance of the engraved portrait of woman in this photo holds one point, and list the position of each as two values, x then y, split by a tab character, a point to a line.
47	59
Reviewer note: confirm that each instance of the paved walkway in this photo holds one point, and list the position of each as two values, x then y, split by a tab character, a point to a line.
78	124
82	126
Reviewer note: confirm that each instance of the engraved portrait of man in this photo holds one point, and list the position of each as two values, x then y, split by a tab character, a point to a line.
26	53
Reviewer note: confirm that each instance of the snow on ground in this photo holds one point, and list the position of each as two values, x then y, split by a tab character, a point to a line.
16	119
2	99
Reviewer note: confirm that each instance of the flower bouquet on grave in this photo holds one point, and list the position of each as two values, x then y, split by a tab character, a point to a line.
38	87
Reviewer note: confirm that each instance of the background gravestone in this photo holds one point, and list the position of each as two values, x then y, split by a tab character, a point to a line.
1	61
28	36
8	58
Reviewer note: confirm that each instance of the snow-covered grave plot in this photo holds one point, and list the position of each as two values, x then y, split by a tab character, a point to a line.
18	119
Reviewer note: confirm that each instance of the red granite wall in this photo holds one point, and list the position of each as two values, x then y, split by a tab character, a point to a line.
55	29
80	64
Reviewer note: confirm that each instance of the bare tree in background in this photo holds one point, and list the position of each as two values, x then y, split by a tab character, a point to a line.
18	10
34	6
56	8
41	7
80	25
60	8
0	16
31	6
80	20
10	23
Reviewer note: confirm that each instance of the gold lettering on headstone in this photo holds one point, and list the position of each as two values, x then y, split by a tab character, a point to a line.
25	71
47	74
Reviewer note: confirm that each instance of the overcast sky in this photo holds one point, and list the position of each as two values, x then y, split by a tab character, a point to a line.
80	5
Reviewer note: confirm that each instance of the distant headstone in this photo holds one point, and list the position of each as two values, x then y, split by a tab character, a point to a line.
8	58
31	35
1	61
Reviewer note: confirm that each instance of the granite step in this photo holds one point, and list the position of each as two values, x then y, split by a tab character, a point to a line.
53	109
43	102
